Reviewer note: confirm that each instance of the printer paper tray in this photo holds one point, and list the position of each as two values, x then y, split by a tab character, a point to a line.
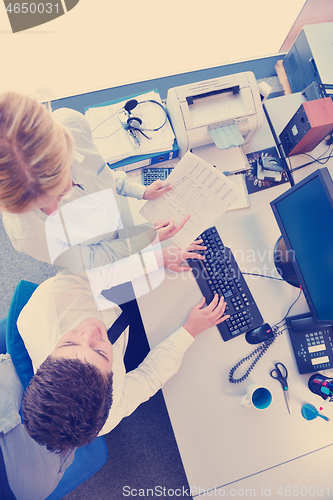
226	137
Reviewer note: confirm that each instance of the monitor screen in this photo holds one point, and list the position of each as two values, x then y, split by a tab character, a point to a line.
304	214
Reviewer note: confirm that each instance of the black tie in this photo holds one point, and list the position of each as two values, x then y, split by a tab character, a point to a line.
118	327
138	347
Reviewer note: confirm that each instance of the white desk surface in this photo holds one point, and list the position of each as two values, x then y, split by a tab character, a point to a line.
225	447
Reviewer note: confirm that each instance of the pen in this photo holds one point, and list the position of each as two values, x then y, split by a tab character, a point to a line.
227	172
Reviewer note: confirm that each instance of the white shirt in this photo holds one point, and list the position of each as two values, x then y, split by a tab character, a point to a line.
62	303
33	472
91	175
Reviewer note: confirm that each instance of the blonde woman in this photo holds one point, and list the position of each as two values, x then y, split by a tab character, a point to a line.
48	160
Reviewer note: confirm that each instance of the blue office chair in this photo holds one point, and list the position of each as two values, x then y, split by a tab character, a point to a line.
88	459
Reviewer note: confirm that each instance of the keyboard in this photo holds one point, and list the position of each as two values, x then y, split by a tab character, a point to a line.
150	175
219	273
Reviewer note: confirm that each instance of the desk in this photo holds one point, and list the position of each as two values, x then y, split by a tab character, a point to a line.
228	450
225	448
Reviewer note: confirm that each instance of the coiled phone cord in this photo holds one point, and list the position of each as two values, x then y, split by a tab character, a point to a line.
261	349
258	352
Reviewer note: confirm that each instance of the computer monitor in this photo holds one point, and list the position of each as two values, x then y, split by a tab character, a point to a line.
304	214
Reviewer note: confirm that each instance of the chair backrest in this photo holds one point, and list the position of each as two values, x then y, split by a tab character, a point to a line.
14	343
3	347
88	459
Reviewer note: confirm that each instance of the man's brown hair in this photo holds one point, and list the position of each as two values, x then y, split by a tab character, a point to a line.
66	404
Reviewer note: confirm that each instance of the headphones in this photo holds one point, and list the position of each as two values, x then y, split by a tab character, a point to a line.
133	124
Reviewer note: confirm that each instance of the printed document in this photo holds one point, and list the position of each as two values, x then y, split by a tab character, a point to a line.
199	189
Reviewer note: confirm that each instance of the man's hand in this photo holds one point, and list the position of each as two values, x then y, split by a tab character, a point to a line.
155	190
201	318
167	228
173	256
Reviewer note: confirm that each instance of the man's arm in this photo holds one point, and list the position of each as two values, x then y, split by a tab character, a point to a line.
164	360
140	384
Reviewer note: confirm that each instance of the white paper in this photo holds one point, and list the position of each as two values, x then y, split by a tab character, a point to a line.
244	200
199	189
228	161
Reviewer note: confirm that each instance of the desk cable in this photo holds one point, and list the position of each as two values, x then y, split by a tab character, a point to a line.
322	160
259	351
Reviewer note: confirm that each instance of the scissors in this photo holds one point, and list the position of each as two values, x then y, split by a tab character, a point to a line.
280	373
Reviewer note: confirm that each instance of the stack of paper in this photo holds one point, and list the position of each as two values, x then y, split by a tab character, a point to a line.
228	161
244	199
115	143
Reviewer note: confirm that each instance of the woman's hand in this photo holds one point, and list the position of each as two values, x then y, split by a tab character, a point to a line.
167	228
201	318
173	256
155	190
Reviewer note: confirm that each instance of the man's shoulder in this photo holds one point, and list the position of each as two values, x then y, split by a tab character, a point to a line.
59	285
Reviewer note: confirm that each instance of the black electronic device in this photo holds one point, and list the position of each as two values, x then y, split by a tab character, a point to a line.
219	273
310	57
260	334
308	127
304	214
313	346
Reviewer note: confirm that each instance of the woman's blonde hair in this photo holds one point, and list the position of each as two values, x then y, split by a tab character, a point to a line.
35	151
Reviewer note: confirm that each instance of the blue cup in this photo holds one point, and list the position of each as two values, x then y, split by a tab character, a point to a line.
257	397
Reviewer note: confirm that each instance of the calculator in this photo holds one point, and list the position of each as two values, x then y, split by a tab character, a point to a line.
150	175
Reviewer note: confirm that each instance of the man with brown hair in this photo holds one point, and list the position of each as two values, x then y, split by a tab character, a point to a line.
62	323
